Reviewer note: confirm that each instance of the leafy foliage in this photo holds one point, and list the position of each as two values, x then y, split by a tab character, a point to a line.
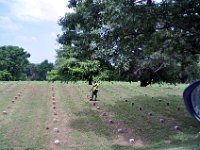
5	75
135	40
52	75
13	62
38	71
70	68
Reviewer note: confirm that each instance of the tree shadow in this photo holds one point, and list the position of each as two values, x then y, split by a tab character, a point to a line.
143	115
178	146
154	119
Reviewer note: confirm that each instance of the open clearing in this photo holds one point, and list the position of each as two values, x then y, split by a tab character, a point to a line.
57	116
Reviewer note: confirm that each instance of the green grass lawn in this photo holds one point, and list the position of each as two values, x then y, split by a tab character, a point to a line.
29	123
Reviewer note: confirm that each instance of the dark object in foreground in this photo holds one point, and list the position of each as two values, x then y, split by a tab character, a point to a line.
191	97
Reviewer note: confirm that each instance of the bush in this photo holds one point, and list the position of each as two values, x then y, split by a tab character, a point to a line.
5	76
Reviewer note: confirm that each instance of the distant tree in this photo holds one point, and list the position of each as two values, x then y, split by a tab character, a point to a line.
5	76
30	71
70	68
53	76
38	71
43	68
90	69
13	61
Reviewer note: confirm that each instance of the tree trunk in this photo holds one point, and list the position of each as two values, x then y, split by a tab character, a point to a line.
90	80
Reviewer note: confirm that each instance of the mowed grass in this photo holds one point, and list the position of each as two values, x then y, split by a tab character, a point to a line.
22	127
86	129
141	108
82	128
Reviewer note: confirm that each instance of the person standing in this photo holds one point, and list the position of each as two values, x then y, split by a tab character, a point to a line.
94	90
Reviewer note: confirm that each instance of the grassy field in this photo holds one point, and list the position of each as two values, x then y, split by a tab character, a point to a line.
33	115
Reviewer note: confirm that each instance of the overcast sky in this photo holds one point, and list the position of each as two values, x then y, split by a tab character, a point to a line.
32	25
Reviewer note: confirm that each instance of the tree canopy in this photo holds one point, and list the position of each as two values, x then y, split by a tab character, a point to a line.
13	62
136	40
38	71
14	65
73	67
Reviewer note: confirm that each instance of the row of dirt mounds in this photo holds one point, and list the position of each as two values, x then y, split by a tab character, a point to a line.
10	108
39	115
123	135
56	128
53	130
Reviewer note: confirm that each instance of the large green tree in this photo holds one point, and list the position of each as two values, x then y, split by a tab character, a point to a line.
138	40
13	62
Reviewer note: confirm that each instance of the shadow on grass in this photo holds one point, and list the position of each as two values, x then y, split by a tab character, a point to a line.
143	115
89	121
177	146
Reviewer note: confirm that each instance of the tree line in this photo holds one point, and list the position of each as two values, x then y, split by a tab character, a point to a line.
15	66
